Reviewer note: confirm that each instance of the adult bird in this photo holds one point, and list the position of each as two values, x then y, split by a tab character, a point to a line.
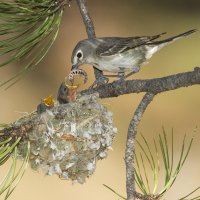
119	54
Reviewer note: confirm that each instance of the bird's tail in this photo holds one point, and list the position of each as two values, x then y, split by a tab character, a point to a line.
174	38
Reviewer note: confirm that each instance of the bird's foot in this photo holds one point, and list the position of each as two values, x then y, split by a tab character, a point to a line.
100	80
122	76
135	70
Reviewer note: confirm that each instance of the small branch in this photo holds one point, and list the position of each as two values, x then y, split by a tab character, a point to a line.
86	18
155	86
130	147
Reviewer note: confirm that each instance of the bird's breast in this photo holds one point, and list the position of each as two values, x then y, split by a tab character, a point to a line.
121	62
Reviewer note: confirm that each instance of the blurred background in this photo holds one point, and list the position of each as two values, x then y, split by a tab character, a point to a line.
179	109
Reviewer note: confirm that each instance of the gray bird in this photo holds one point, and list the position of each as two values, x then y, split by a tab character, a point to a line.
119	55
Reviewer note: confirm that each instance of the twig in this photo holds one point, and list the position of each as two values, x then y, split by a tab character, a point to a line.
130	147
86	18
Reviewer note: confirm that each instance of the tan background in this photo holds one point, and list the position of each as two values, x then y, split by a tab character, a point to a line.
176	109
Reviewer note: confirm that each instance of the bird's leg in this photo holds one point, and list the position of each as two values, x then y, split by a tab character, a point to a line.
112	75
135	70
100	78
119	75
122	76
103	79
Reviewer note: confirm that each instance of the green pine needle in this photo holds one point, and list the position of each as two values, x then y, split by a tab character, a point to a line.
4	126
8	149
114	192
14	175
188	196
163	154
27	30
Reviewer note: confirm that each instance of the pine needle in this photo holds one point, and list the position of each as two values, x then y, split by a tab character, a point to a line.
27	31
166	157
114	192
13	175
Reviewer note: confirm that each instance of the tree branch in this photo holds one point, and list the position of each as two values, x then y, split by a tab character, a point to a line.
86	18
130	147
154	86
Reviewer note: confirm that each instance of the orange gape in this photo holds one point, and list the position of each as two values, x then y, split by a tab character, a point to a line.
74	86
48	101
72	93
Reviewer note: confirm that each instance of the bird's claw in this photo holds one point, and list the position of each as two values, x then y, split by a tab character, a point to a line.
100	80
121	76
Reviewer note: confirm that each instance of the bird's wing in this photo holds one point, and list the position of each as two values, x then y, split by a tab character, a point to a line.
111	46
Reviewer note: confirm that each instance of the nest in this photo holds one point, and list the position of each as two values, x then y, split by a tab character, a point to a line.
69	139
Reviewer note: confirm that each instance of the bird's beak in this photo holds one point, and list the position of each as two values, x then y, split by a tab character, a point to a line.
75	66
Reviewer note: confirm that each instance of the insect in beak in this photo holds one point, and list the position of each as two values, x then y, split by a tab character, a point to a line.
77	72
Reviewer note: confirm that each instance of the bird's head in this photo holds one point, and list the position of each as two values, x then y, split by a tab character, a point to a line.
82	53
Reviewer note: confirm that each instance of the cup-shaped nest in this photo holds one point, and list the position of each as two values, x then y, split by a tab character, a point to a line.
69	139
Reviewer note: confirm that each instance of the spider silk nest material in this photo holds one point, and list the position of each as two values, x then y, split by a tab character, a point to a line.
70	138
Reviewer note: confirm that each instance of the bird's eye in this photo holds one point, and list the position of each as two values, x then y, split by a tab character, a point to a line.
79	55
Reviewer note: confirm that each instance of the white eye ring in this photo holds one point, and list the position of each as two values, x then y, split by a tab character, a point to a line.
79	55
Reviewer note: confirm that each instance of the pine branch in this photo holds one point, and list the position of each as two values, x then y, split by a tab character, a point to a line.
28	29
155	86
86	18
130	147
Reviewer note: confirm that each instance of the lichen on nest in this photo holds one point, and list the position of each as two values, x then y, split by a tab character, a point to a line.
69	139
